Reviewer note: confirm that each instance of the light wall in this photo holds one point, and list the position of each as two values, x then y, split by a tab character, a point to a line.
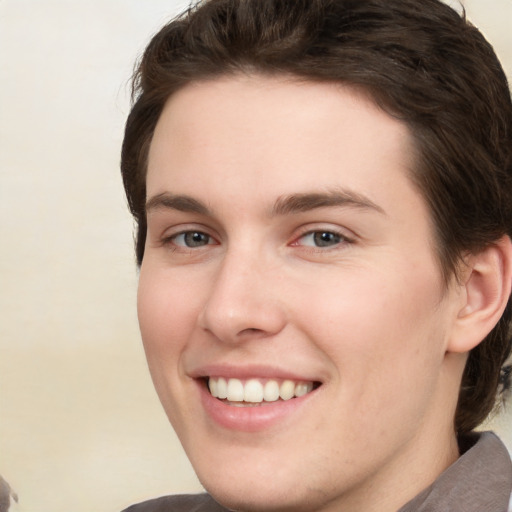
80	426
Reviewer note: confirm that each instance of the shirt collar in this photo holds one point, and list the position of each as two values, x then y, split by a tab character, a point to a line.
479	481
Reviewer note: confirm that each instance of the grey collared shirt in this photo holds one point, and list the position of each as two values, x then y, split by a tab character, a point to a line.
479	481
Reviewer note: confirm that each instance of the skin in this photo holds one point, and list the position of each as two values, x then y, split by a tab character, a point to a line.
367	315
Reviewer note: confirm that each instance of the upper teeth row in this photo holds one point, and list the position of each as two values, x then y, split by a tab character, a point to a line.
252	390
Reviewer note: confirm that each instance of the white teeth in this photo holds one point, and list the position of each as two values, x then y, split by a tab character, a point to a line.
303	388
222	388
271	391
253	391
287	390
212	384
235	390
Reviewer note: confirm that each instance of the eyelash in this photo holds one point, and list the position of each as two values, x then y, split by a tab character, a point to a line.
316	234
171	240
339	239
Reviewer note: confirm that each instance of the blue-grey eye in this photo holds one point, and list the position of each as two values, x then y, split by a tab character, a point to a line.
192	239
321	239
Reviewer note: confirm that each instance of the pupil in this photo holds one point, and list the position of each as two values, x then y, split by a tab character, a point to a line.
325	238
195	239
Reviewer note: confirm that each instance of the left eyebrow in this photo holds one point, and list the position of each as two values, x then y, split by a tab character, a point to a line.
298	203
182	203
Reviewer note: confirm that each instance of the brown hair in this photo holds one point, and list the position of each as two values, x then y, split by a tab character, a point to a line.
420	60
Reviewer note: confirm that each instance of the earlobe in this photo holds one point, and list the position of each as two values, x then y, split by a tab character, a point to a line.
486	291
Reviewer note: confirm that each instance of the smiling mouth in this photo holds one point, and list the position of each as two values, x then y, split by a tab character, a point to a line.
254	392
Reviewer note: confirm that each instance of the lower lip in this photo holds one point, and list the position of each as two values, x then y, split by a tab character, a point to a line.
250	418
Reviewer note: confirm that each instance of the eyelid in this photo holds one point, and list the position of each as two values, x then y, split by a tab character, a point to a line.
346	235
173	238
171	233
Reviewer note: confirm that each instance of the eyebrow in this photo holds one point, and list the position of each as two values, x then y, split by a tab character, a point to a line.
182	203
298	203
284	205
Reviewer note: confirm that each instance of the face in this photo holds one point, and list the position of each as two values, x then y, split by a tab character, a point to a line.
290	301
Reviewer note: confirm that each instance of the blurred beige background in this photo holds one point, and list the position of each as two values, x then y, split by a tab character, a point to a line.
80	426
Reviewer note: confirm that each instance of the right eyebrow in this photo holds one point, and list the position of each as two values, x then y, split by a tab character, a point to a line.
182	203
297	203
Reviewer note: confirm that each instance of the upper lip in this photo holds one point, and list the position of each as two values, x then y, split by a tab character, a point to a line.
249	371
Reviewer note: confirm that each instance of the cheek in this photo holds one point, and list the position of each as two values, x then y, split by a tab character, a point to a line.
166	315
166	311
384	331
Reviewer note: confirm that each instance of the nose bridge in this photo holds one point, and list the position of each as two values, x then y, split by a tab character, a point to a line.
242	301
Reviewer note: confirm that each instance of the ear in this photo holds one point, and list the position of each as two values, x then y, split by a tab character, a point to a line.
486	288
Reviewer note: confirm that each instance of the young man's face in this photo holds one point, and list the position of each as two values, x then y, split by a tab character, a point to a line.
288	250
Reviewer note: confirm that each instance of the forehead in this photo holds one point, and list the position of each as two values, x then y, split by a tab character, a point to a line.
277	136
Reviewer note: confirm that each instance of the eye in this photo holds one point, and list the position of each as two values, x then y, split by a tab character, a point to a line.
192	239
321	239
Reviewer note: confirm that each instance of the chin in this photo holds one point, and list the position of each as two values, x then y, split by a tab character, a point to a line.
258	498
262	489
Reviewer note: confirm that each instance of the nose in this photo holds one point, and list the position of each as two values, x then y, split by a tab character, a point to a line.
244	301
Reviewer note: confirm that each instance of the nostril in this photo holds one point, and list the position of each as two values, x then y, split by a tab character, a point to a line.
250	330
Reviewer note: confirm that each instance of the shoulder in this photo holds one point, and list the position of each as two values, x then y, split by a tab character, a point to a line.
179	503
480	479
